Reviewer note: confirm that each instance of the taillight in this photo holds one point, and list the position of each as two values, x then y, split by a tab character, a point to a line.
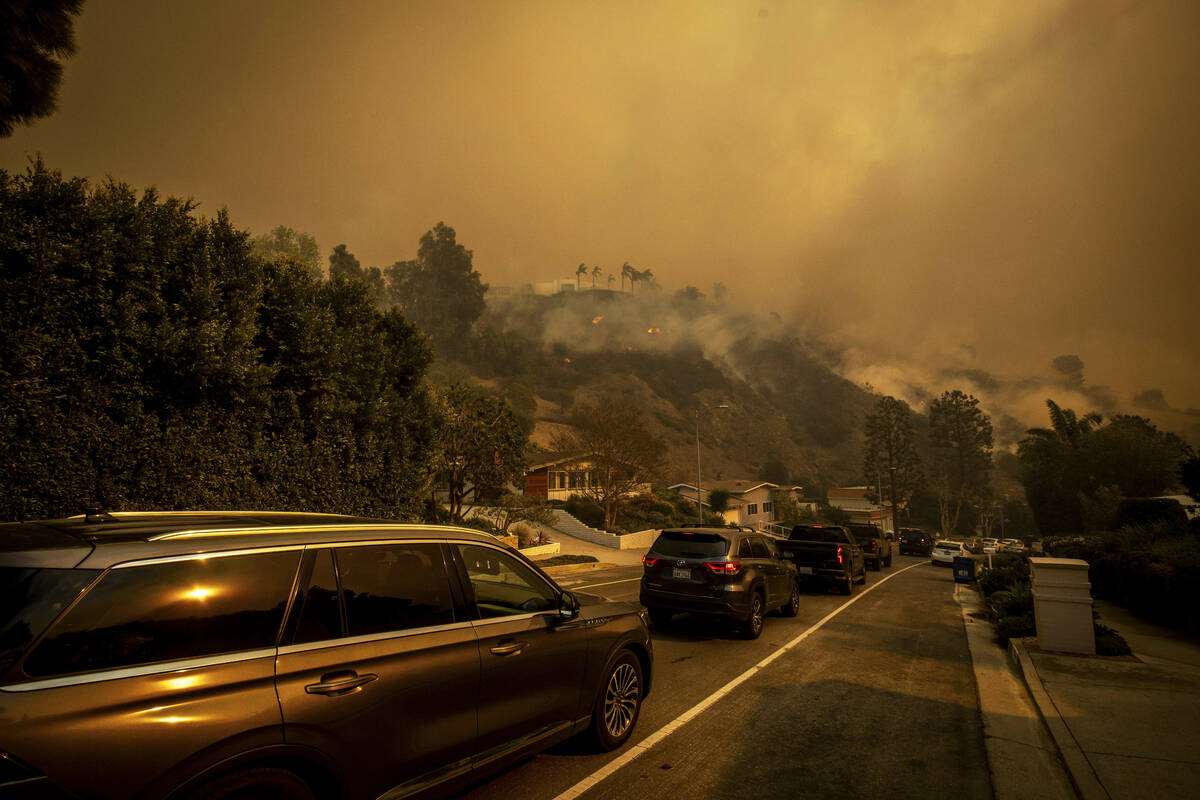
649	561
872	547
839	554
724	567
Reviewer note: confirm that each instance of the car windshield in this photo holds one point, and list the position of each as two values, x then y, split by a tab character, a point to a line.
30	599
687	544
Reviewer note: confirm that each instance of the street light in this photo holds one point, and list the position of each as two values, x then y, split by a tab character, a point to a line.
892	490
699	504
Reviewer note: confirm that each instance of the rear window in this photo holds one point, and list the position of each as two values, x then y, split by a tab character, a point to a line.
812	534
948	545
170	611
30	599
691	545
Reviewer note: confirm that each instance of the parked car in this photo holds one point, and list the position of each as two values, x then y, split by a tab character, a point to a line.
989	545
1012	546
876	545
723	572
945	551
914	541
825	553
292	656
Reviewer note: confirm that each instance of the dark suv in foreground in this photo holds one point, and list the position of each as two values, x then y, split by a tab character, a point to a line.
206	655
729	573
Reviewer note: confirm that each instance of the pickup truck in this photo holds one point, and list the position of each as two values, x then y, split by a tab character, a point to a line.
877	546
825	553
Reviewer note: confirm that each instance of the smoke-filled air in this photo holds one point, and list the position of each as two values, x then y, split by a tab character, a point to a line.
992	195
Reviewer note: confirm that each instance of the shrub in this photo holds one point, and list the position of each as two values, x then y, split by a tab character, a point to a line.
1145	511
584	510
1006	571
479	524
1015	627
1015	601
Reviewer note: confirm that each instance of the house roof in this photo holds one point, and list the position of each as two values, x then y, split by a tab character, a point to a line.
543	460
736	488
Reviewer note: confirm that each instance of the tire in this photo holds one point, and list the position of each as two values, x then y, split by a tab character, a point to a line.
792	607
846	586
875	565
619	702
753	624
265	783
888	562
862	578
660	617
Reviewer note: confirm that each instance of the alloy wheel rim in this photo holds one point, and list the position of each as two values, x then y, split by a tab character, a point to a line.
756	613
620	699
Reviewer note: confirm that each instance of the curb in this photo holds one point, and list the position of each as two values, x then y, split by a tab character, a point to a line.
567	569
1079	769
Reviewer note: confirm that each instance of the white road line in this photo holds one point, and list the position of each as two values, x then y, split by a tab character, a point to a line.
609	583
644	745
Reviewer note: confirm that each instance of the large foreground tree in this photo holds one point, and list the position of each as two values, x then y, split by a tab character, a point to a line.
149	359
36	36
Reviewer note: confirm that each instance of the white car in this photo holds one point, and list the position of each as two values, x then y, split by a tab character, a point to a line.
990	545
945	551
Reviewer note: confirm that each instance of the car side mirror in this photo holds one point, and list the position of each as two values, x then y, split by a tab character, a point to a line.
568	606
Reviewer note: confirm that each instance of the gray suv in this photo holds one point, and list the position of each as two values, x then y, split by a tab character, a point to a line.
206	655
735	574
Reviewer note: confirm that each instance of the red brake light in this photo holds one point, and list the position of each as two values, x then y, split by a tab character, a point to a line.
648	561
839	554
724	567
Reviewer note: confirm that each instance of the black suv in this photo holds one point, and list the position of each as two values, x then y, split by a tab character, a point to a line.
914	541
730	573
254	654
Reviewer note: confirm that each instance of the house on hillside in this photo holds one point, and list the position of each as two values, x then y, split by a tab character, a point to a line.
750	502
557	476
853	500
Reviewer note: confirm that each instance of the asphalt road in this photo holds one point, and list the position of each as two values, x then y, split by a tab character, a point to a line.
871	697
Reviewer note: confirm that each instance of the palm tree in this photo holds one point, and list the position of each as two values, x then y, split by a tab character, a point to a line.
610	282
647	276
1065	426
580	271
595	274
626	272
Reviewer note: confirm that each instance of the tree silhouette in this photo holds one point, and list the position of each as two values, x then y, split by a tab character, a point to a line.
595	274
580	271
35	38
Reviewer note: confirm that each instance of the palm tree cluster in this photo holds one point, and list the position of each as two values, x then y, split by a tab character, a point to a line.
630	273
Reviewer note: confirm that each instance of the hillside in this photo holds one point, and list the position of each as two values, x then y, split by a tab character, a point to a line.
676	358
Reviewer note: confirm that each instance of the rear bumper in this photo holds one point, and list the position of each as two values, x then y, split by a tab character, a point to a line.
734	604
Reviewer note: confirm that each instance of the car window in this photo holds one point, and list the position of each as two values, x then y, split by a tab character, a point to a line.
170	611
393	587
30	599
502	585
685	544
318	611
760	548
745	549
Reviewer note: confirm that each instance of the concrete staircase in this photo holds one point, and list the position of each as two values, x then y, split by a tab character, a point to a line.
565	523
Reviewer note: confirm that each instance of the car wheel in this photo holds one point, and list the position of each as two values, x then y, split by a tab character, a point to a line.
875	565
792	607
753	624
278	784
888	562
619	702
660	617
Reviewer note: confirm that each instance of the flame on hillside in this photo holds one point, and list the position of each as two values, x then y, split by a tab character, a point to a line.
596	320
654	330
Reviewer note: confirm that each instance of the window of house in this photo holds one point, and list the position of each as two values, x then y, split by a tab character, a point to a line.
766	508
752	509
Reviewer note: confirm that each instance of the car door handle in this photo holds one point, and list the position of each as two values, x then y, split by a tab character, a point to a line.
509	648
341	685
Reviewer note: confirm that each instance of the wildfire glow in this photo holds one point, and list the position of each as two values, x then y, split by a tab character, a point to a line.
653	330
596	320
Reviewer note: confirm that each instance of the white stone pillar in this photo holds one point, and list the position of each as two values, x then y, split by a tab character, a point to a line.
1062	605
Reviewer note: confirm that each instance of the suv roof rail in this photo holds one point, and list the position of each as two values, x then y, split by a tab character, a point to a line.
276	530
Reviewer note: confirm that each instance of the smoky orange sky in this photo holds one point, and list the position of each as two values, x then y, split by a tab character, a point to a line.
976	185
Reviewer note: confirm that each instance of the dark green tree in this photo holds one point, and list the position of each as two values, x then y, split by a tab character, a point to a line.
439	290
149	359
283	242
343	263
891	459
1189	476
960	439
36	36
482	445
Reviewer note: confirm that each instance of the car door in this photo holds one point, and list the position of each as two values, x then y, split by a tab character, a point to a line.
780	586
380	671
532	660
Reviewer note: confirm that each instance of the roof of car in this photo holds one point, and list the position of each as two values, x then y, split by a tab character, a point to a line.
99	540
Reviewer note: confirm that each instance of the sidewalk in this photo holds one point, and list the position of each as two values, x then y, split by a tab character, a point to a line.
1126	727
605	556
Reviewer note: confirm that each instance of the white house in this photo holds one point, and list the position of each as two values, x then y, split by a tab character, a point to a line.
750	502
